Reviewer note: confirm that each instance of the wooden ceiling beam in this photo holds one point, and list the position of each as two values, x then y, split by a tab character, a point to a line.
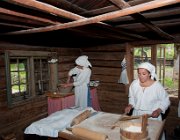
49	8
161	24
111	8
107	16
66	4
18	14
149	15
139	17
22	21
15	25
46	8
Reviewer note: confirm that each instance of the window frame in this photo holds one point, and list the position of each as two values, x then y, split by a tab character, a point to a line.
129	51
30	55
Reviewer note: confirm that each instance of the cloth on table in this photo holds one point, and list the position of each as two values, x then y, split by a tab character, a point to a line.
53	124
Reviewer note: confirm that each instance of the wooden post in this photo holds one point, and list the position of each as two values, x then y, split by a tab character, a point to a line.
53	76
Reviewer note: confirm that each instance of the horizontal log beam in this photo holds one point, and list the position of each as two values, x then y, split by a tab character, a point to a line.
139	17
108	16
14	13
63	13
111	8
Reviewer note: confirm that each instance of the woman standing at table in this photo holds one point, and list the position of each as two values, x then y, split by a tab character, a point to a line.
146	95
81	77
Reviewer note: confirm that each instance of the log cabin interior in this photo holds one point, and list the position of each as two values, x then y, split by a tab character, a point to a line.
33	31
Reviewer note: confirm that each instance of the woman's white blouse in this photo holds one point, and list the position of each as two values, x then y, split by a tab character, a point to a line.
149	98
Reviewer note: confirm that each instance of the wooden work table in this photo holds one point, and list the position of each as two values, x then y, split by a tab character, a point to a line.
58	101
102	123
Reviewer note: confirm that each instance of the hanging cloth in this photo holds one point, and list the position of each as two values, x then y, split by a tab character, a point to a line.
123	77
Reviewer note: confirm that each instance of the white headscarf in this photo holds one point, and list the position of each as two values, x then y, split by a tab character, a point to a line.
151	68
83	61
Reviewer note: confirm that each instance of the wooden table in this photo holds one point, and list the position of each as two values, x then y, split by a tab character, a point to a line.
102	123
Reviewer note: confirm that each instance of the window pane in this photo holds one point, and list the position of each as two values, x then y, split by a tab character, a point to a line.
22	88
37	64
13	65
22	77
41	75
22	64
44	64
15	89
14	78
19	76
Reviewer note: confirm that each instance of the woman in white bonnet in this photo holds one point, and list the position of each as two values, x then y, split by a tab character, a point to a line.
81	78
147	95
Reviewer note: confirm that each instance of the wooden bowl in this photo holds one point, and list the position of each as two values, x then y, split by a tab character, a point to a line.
63	90
132	131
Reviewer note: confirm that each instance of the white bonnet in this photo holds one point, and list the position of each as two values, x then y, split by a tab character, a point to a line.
83	61
151	68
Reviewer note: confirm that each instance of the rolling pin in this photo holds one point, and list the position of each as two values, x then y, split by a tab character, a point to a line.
81	117
87	134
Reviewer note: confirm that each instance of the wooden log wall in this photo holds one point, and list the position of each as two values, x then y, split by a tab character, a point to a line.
106	68
15	119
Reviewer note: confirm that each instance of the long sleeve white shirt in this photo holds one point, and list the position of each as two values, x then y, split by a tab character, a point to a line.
148	99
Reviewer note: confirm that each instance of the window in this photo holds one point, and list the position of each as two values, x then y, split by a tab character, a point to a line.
166	59
141	54
41	75
27	75
19	74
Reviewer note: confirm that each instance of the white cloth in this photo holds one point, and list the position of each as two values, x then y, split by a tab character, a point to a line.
151	68
83	61
123	77
54	123
145	101
81	81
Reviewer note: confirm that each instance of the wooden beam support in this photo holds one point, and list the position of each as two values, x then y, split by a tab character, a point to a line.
18	14
22	21
111	8
121	36
46	8
155	14
67	4
108	16
163	24
138	16
15	25
49	8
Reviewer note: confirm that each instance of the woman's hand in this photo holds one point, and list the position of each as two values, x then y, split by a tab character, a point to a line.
128	109
156	113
